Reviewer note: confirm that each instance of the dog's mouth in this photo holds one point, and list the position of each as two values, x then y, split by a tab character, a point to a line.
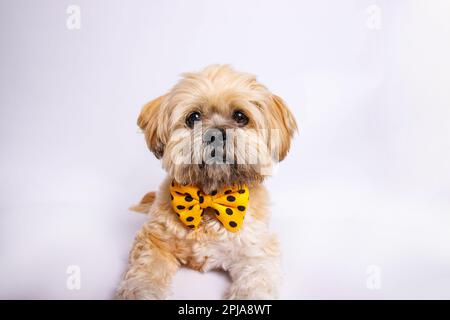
217	165
217	176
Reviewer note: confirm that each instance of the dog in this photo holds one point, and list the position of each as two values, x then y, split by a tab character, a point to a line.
218	133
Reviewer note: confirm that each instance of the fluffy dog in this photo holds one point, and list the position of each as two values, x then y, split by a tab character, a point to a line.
217	132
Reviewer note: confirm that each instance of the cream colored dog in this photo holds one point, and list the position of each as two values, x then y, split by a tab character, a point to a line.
254	128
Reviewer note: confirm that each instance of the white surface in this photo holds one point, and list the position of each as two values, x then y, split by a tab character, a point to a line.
367	181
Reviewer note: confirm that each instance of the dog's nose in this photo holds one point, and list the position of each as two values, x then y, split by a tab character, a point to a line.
210	135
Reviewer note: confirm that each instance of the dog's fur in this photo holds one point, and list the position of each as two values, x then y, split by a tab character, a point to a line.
251	255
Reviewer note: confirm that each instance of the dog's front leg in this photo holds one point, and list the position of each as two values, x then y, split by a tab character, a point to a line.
255	277
150	270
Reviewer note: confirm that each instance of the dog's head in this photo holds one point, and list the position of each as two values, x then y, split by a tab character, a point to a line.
218	127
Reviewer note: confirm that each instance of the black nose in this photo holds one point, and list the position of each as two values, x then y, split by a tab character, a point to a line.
211	134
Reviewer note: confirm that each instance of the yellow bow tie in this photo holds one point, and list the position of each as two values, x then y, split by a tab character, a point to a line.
230	206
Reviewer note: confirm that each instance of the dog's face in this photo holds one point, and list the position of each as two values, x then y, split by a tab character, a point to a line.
217	128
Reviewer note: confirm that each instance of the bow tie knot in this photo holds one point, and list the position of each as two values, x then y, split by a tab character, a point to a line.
205	201
230	205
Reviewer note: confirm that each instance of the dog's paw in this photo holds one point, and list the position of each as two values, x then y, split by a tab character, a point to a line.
253	290
139	290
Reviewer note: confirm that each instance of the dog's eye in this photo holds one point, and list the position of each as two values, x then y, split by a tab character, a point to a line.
240	118
192	117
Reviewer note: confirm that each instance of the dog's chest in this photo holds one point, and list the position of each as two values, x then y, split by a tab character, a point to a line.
209	254
211	246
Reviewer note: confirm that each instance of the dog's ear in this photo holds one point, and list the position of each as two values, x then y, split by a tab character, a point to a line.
284	121
148	121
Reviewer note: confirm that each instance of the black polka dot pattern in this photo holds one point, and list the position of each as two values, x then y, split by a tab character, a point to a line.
229	205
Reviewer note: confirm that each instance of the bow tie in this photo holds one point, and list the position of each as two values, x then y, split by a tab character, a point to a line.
189	202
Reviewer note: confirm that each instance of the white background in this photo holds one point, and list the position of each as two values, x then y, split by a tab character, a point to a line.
367	182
